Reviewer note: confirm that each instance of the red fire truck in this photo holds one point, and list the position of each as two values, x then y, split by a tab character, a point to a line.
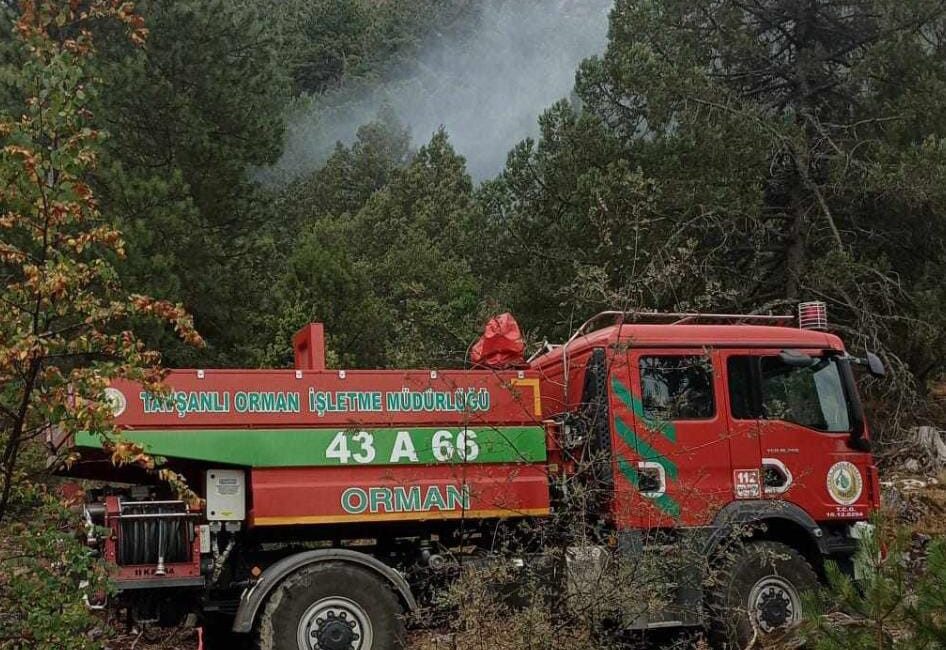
332	497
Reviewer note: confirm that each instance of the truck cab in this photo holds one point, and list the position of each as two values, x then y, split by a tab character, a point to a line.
706	415
709	424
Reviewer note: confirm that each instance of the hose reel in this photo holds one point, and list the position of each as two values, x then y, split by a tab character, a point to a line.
154	533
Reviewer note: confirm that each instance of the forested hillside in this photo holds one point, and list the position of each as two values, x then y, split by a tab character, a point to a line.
707	156
689	169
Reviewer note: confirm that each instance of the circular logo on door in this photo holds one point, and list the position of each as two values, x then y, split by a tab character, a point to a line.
117	399
845	483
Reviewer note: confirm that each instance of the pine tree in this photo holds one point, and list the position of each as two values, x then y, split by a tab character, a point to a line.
891	605
730	156
928	612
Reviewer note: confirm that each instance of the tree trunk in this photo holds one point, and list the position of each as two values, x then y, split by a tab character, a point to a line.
12	448
795	250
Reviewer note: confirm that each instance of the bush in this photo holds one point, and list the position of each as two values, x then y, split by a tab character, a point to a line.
43	562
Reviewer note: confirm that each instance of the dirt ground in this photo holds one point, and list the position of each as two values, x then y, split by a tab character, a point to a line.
917	501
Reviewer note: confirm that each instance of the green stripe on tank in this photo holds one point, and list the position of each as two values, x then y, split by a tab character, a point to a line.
341	447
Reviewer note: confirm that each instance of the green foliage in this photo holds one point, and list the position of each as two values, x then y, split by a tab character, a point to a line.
329	43
10	58
351	175
381	256
46	572
731	157
689	172
893	605
200	110
63	329
64	326
197	109
929	610
411	237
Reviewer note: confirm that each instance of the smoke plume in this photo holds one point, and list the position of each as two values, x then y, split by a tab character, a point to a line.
486	86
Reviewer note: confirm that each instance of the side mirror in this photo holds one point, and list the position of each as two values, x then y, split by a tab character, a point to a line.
875	366
796	359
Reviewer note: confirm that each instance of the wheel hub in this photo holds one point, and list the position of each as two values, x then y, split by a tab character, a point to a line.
774	603
334	623
335	633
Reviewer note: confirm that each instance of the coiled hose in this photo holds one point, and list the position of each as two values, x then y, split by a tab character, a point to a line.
144	541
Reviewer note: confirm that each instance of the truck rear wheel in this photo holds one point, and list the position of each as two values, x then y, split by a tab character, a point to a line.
759	591
331	606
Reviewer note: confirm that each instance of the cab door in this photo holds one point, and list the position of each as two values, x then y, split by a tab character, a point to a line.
807	458
669	438
745	425
799	419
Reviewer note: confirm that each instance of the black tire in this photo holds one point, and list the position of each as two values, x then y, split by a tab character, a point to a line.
764	578
312	601
218	634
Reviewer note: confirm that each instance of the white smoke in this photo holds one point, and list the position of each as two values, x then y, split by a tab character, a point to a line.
486	86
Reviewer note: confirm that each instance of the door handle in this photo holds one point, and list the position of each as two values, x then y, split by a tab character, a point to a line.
776	477
652	479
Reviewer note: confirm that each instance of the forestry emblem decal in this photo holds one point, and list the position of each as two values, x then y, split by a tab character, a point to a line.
117	400
845	483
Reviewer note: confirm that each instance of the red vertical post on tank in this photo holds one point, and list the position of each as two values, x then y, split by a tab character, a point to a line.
308	345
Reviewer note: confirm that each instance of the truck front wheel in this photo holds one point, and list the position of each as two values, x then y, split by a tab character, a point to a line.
758	591
331	606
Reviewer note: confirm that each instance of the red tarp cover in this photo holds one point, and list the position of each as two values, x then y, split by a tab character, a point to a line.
501	345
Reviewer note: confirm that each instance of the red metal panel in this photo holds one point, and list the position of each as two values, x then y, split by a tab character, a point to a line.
696	449
138	574
309	347
302	495
362	398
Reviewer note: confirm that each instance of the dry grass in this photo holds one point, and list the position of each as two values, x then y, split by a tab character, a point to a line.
917	502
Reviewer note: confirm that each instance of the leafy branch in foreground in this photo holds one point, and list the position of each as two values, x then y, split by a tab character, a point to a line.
65	321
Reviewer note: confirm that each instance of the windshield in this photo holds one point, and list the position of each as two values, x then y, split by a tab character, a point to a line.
812	397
